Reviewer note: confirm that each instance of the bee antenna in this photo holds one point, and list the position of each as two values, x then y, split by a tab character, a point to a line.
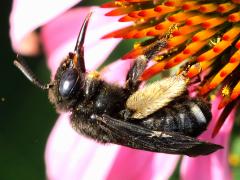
79	49
23	67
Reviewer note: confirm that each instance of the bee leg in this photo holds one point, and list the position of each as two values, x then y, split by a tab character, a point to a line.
133	82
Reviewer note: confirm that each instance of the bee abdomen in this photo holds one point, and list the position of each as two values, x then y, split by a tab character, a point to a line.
190	117
193	116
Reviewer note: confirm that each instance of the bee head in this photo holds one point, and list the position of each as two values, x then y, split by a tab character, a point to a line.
70	76
67	84
66	87
68	79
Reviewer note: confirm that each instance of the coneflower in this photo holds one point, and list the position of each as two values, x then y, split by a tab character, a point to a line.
204	36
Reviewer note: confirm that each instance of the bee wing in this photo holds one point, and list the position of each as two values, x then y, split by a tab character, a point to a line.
134	136
156	95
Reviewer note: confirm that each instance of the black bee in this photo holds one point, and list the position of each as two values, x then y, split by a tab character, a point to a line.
160	117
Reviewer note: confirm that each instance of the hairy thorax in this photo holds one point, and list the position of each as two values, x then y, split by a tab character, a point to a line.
98	98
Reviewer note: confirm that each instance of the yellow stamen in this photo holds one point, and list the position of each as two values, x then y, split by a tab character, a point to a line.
173	3
213	22
225	101
181	16
194	47
177	40
196	20
234	17
175	60
236	91
231	34
190	5
185	30
210	54
204	34
154	69
226	7
222	74
206	8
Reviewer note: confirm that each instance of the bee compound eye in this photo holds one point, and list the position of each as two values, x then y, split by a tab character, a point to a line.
68	83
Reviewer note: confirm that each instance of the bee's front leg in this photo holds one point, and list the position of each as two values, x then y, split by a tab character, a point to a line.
132	81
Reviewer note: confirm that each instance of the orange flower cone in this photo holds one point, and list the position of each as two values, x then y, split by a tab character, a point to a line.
204	36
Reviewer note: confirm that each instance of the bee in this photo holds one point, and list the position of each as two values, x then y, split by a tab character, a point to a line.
160	117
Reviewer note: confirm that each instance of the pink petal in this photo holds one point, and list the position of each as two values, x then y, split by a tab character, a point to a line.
141	165
59	36
119	69
214	166
27	15
164	165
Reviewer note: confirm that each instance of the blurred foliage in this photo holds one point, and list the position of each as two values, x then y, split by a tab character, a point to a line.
234	156
27	117
26	114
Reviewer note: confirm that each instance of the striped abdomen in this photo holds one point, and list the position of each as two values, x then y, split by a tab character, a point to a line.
187	116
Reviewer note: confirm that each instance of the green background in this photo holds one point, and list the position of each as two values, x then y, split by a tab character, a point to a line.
27	117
